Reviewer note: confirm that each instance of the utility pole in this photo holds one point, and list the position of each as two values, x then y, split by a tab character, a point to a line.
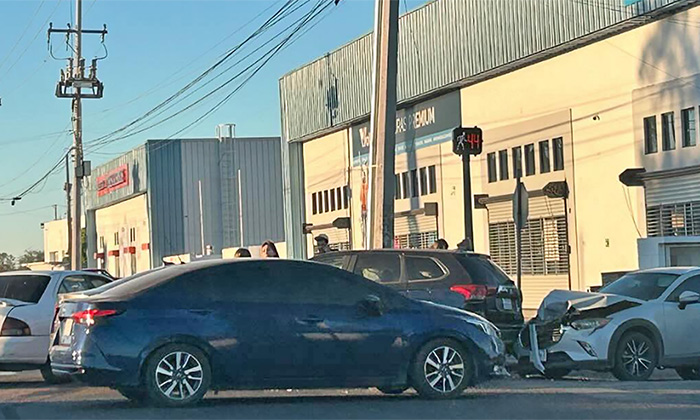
55	211
69	217
71	85
383	126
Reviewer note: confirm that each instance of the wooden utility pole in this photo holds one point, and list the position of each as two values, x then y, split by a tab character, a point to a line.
71	85
383	126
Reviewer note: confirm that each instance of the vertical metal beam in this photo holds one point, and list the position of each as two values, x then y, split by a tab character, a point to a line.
69	211
383	126
467	185
76	244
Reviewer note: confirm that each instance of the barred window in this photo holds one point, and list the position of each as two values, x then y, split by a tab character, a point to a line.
681	219
418	240
544	246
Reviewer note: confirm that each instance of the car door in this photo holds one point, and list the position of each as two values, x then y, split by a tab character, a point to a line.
347	346
680	325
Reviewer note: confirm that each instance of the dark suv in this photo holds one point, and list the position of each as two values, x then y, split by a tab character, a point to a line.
463	280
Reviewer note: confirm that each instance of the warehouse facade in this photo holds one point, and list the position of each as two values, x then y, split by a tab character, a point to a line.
558	89
183	196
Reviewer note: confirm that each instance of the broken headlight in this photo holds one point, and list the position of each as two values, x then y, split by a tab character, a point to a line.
589	324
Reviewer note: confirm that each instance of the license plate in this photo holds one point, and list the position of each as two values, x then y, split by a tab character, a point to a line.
507	304
66	331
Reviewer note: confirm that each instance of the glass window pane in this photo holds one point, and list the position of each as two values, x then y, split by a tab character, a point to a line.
529	159
397	187
503	160
414	183
650	143
491	159
422	268
405	193
668	132
688	121
25	288
558	154
326	201
432	177
423	181
517	161
314	207
382	268
346	197
544	157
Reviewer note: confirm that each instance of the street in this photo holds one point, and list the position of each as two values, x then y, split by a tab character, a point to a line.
586	395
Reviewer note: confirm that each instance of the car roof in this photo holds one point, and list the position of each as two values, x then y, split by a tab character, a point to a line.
45	273
670	270
405	251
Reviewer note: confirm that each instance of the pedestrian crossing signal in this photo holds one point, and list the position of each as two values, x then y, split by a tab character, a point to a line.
467	141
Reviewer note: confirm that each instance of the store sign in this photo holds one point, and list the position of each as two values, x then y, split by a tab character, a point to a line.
419	126
113	180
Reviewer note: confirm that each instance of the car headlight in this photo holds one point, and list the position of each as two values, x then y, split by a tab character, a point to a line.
589	324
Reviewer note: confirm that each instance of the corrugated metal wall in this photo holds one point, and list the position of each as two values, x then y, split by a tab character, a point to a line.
671	190
448	42
138	179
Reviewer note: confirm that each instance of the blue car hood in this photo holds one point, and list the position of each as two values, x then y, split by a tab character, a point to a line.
449	310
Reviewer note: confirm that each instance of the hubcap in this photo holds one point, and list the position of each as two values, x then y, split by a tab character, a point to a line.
179	375
444	369
636	358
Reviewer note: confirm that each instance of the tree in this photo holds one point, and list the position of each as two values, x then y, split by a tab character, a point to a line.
30	256
7	262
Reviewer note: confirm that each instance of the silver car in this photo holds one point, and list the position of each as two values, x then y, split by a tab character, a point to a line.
27	306
644	320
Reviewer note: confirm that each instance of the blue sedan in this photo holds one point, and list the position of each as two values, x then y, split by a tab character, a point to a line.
169	336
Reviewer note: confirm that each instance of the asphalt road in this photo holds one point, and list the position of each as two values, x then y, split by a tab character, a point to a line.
24	396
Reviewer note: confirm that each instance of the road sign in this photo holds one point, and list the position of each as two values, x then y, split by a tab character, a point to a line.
521	205
467	141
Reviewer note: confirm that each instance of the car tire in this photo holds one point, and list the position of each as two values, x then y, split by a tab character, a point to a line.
689	373
133	394
51	378
636	357
392	390
441	369
177	375
556	373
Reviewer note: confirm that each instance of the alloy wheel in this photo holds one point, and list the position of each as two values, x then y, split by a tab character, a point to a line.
179	375
635	357
444	369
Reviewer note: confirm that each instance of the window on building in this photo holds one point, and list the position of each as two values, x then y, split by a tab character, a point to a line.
102	243
53	256
503	164
414	183
650	143
339	197
545	159
517	161
432	179
397	187
132	235
326	201
529	159
688	121
314	207
668	132
116	238
331	193
405	191
423	181
491	164
346	197
558	144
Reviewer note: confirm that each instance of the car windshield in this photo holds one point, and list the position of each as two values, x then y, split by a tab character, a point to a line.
25	288
644	286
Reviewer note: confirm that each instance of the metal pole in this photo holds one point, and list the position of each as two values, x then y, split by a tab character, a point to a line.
467	184
76	249
69	216
55	212
383	126
519	238
201	215
568	247
240	205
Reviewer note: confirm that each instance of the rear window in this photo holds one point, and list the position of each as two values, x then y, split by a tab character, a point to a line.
423	269
331	259
24	288
483	271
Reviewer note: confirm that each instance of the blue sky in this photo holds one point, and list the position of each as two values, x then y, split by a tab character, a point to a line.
148	42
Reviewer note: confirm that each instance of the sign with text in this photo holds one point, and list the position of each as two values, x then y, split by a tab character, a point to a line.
113	180
467	141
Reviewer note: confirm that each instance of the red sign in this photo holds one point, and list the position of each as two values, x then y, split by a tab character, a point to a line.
113	180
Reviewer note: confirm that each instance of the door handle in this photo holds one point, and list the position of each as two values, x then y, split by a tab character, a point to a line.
310	320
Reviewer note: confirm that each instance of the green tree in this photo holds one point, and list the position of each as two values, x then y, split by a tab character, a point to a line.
7	262
30	256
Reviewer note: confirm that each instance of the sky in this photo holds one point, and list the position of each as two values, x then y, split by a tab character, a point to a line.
154	48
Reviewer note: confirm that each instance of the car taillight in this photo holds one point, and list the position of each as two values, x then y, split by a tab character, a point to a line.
14	328
473	291
88	316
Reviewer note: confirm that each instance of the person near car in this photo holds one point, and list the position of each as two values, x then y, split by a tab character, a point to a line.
466	245
322	246
440	244
242	253
269	250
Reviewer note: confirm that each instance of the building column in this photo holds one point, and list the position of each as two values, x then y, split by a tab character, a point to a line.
294	205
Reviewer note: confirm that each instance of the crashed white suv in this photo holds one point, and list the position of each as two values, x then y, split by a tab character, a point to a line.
644	320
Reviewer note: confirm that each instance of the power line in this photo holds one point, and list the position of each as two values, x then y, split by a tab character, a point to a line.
24	32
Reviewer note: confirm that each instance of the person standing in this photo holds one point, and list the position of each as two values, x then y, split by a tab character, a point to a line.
466	245
242	253
322	246
268	250
440	244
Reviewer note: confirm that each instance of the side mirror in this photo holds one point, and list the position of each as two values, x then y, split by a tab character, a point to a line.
686	298
372	305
